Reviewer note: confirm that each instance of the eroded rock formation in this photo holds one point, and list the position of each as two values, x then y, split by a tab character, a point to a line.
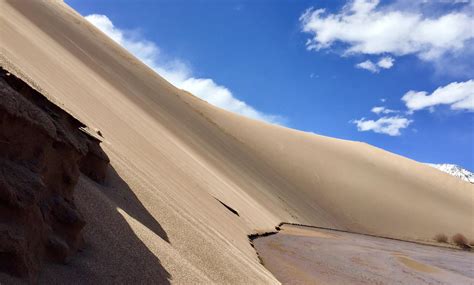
42	152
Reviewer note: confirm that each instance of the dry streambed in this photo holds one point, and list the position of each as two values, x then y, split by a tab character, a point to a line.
302	255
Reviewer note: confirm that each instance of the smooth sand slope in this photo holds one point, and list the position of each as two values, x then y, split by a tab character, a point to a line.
173	155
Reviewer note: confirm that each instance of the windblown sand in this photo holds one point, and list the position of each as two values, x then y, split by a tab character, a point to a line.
172	155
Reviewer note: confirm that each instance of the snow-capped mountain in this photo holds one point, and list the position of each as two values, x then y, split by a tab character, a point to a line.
455	170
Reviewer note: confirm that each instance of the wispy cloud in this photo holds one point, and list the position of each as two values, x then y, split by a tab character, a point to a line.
457	95
386	62
179	73
386	125
382	110
368	65
383	63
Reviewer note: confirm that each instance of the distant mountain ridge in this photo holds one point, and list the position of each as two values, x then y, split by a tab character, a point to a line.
454	170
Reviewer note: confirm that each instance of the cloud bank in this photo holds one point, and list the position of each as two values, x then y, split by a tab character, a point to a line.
178	73
367	28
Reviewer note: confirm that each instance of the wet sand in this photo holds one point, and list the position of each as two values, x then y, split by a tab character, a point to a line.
303	255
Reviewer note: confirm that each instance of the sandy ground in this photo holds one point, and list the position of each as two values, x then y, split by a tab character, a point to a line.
302	255
174	157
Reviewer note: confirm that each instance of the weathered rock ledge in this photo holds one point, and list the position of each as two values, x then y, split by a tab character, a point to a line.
42	152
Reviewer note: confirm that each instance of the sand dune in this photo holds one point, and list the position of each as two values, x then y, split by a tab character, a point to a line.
174	157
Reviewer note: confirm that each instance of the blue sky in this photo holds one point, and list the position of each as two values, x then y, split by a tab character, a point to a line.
321	71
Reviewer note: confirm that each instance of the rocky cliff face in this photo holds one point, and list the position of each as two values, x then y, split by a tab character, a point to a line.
42	152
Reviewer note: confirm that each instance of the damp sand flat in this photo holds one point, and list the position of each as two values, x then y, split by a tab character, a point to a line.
302	255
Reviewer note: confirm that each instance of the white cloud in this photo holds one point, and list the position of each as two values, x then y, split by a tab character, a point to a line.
386	125
145	50
368	65
382	110
220	96
458	95
384	62
363	27
178	73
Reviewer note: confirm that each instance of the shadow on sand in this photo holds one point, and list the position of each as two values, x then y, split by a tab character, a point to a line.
120	193
113	251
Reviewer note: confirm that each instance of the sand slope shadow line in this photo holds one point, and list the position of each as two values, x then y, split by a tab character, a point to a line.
114	251
118	191
232	210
